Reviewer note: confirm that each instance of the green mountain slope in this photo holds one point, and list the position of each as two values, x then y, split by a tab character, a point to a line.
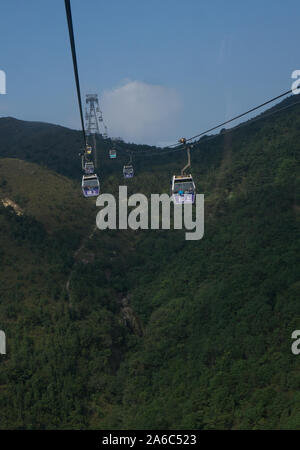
144	330
54	146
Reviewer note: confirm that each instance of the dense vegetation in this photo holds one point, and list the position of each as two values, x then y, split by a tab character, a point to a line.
151	331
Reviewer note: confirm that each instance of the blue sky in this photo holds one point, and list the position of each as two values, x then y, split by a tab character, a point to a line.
162	68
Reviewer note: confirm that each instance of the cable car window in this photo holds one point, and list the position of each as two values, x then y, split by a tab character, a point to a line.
91	183
189	187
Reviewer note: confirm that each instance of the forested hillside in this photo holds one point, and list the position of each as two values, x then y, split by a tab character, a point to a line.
145	330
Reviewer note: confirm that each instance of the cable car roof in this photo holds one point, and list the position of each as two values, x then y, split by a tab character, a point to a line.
182	177
90	177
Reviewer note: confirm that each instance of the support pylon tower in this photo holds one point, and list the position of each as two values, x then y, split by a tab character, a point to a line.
94	122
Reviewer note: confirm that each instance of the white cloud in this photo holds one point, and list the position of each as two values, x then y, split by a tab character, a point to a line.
141	112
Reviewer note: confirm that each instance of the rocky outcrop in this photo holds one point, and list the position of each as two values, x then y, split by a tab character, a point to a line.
130	318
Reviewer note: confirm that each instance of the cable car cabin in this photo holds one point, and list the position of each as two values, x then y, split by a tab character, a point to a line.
89	168
183	189
88	153
90	185
112	153
128	171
